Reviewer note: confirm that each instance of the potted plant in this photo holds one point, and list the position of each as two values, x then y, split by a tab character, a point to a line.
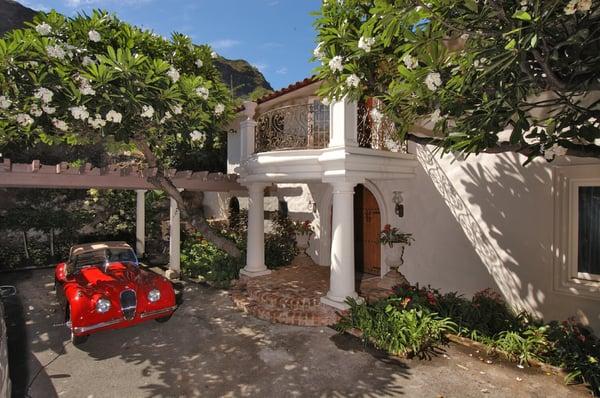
303	230
391	236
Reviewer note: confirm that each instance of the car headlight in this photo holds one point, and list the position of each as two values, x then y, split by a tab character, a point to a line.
154	295
102	306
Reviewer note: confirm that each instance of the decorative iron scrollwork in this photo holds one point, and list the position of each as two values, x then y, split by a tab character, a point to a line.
304	126
376	131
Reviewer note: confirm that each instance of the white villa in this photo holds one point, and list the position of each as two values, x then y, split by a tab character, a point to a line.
531	233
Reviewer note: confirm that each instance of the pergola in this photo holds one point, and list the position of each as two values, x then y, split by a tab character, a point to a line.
65	176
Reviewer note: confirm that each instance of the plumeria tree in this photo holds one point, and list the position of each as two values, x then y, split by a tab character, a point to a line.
471	76
96	80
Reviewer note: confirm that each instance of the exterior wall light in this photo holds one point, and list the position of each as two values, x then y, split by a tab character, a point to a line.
398	200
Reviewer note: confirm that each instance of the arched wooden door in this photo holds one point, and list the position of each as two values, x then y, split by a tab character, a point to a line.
367	226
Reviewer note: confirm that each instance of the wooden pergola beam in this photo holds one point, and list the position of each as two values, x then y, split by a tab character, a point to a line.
65	176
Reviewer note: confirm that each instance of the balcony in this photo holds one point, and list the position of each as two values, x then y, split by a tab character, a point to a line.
306	126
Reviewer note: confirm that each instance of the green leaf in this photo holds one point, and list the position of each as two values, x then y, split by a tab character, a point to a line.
472	5
534	40
522	15
510	45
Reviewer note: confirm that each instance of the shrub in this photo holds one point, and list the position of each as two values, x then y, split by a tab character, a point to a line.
389	325
200	258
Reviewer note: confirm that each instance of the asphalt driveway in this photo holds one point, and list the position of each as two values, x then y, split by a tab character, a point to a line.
209	349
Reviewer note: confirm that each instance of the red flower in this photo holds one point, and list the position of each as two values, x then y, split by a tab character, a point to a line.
431	298
387	227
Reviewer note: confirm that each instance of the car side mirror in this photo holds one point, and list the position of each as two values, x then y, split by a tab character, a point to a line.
61	272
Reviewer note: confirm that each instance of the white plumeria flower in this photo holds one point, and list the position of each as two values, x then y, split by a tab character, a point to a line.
48	109
219	109
79	112
166	117
55	52
198	136
464	36
97	122
436	116
433	81
353	80
376	115
199	63
43	29
571	8
410	61
114	116
4	102
147	111
365	43
59	124
24	119
85	87
202	92
35	111
173	74
326	101
177	110
584	5
87	61
94	36
336	64
554	151
318	51
214	55
43	94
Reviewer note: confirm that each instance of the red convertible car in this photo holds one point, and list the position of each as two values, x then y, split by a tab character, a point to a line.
103	287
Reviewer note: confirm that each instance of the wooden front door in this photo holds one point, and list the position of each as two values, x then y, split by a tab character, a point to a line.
367	226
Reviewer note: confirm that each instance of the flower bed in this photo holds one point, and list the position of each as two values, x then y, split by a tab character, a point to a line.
416	319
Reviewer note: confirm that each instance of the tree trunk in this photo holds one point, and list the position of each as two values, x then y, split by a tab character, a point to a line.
52	243
191	209
25	246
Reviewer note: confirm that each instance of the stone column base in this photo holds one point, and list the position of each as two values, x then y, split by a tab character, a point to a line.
254	274
171	274
340	304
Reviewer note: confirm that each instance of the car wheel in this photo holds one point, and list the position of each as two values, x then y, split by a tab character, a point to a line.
163	319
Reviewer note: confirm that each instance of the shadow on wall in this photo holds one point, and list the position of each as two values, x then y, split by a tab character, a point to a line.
500	268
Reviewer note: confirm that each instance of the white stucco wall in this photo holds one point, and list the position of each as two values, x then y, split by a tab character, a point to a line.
488	222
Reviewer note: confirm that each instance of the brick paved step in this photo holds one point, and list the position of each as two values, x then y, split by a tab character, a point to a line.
283	299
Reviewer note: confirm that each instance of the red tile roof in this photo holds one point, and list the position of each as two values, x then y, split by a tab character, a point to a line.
292	87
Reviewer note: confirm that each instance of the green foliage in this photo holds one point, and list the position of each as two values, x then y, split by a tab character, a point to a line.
486	318
391	326
97	80
471	70
200	258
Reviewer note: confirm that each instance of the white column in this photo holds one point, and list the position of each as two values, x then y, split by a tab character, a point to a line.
343	119
140	222
174	240
342	278
255	252
247	130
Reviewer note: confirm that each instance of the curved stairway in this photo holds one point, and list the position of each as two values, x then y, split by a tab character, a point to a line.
290	295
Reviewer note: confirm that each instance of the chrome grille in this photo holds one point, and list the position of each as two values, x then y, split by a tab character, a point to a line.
128	304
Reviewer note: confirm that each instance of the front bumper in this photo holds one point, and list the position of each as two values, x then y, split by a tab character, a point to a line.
121	322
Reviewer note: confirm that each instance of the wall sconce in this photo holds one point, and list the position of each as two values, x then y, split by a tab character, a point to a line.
399	202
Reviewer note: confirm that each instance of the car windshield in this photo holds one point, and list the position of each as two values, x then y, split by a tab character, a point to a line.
104	256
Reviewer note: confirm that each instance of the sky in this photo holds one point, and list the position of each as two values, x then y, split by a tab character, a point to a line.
276	36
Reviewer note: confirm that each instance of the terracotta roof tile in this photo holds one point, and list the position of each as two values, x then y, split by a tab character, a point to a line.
288	89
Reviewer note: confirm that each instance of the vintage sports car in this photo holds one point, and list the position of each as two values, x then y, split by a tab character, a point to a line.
102	286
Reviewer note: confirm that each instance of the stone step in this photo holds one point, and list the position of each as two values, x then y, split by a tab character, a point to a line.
278	299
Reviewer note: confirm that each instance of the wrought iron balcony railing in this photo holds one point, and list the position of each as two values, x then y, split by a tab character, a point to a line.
304	126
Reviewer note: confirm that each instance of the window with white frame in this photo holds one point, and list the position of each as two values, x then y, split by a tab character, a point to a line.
577	229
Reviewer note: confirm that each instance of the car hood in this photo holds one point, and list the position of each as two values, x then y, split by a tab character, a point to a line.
117	276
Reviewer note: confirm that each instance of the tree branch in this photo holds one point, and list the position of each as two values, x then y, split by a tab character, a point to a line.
191	210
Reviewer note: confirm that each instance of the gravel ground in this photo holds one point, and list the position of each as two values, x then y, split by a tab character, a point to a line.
209	349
